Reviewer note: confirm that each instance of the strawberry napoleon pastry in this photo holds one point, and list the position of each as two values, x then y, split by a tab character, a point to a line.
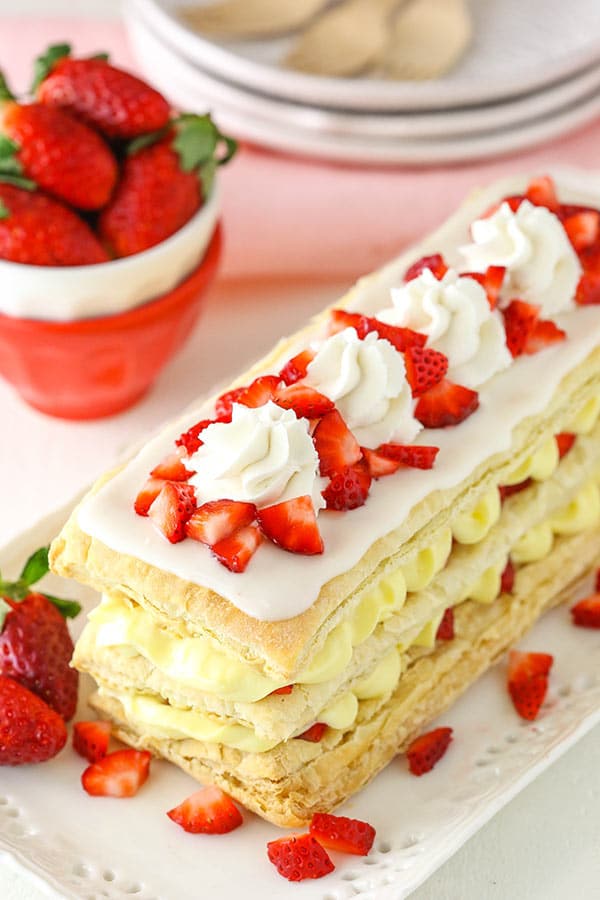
300	576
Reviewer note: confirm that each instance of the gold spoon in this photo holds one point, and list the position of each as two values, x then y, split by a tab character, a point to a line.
252	18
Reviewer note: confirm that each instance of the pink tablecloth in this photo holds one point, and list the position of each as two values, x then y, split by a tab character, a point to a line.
288	217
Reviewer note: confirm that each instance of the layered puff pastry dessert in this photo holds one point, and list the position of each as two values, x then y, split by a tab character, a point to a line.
301	574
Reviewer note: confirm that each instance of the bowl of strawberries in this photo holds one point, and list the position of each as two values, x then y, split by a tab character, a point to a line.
109	233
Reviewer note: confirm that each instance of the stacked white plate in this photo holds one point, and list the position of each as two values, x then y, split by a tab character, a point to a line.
532	73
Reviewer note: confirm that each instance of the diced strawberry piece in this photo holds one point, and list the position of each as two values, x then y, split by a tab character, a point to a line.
424	368
349	488
445	630
491	281
342	834
446	404
339	319
305	401
564	441
190	439
172	508
90	739
313	734
148	495
207	811
507	490
519	320
588	289
435	263
236	551
425	751
260	391
286	689
542	192
400	338
507	581
528	681
171	469
120	774
299	856
225	401
544	334
295	369
586	613
293	526
514	201
379	465
218	519
336	445
411	455
598	581
583	228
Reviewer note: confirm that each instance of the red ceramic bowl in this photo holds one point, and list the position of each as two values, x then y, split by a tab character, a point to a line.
96	367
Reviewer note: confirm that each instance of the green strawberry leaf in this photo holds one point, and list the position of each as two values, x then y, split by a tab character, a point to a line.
4	211
102	56
5	91
67	608
44	64
4	611
198	141
11	170
145	140
35	567
18	181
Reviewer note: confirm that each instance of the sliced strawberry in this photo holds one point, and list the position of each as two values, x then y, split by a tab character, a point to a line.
514	201
586	613
445	630
349	488
171	469
208	811
148	495
542	192
491	281
286	689
190	439
172	508
583	228
507	582
425	751
304	400
544	334
564	441
424	368
410	455
218	519
120	774
260	391
299	856
295	369
435	263
446	404
342	834
507	490
519	321
588	289
400	338
225	402
336	445
339	319
90	739
314	733
293	526
528	681
236	551
379	465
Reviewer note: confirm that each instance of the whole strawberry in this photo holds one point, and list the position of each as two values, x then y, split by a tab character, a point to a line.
30	732
35	644
115	102
164	180
49	147
40	231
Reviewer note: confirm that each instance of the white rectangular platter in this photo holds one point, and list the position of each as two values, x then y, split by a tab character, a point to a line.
92	848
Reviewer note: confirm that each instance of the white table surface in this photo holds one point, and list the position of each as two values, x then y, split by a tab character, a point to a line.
544	844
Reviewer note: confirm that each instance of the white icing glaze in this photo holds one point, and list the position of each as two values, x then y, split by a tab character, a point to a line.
455	315
280	585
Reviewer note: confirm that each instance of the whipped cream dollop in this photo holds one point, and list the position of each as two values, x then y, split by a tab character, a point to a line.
455	315
542	267
366	379
263	456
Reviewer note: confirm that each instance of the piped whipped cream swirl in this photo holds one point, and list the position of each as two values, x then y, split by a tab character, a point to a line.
542	267
366	379
263	456
455	315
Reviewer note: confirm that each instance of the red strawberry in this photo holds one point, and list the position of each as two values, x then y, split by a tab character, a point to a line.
598	581
348	488
491	281
115	102
286	689
262	389
583	228
299	856
424	368
379	465
513	202
400	338
148	495
342	834
411	455
519	321
40	231
339	319
171	469
507	490
30	732
542	192
225	402
544	334
445	630
190	439
305	401
218	519
58	153
435	263
236	551
293	526
528	681
120	774
586	613
588	289
425	751
295	369
172	508
208	811
90	739
507	581
336	445
446	404
313	734
564	441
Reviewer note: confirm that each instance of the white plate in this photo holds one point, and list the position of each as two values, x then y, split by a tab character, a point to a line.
90	848
518	47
